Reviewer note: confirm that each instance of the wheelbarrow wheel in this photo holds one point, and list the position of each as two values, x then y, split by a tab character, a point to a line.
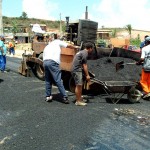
72	85
134	95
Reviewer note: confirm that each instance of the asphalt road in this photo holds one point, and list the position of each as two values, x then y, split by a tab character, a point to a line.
27	122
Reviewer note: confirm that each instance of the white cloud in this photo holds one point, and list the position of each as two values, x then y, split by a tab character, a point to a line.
108	13
41	9
118	13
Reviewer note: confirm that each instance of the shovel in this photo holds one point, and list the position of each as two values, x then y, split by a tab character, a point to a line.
121	65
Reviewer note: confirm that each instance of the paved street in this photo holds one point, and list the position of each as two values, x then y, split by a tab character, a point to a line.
27	122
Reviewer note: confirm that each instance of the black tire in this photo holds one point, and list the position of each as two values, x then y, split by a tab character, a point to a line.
134	95
72	85
40	69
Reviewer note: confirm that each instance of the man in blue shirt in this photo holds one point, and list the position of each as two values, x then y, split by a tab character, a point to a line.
3	51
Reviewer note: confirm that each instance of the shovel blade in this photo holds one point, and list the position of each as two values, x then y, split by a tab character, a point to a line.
119	66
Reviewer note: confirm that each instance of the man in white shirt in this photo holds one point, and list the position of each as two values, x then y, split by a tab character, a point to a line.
51	59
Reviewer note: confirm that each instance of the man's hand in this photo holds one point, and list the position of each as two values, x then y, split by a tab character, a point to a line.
88	78
77	47
138	63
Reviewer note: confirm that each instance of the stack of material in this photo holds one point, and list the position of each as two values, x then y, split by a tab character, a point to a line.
105	70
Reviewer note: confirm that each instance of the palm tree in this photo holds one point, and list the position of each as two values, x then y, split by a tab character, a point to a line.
129	29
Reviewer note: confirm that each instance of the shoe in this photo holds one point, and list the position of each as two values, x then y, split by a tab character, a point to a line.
3	71
84	100
65	100
49	99
146	96
80	103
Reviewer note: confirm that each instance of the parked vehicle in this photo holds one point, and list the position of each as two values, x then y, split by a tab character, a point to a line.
78	33
132	48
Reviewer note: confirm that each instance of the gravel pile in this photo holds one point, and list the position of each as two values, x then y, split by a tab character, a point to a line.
105	70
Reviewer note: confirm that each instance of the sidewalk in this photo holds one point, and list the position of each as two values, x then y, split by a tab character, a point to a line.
18	53
21	48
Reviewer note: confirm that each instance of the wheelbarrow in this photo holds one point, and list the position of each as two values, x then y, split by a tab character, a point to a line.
114	89
117	89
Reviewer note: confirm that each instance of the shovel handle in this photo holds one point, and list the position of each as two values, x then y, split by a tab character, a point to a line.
130	63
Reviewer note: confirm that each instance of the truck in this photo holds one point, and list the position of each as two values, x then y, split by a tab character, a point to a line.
77	32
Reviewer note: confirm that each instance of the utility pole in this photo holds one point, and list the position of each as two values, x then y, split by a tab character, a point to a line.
1	22
60	25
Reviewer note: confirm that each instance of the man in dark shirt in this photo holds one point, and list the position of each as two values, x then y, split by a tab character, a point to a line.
79	65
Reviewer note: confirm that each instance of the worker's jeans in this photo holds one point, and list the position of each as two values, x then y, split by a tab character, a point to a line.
12	51
2	63
53	74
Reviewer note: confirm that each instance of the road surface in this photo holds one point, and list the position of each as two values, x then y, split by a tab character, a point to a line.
27	122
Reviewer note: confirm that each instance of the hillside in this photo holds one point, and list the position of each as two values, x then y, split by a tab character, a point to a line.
18	21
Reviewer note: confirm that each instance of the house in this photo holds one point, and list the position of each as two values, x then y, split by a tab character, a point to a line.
105	33
23	35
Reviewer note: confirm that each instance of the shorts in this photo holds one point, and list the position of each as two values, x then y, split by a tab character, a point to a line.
78	77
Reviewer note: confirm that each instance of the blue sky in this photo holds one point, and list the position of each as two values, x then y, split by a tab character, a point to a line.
108	13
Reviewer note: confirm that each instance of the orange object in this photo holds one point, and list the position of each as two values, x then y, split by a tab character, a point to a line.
119	42
145	81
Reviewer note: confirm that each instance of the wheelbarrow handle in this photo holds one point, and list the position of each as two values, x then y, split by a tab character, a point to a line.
101	83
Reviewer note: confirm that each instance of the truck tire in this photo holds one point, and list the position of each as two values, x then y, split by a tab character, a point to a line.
40	69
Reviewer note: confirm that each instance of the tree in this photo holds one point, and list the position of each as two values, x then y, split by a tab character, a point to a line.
15	29
114	33
24	15
129	29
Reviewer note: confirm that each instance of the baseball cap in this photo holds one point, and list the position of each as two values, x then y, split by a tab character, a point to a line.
148	38
2	36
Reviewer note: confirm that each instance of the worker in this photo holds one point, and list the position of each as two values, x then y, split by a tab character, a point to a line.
80	69
11	46
145	76
3	51
51	61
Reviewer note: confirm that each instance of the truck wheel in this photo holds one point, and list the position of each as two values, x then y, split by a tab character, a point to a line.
40	69
72	85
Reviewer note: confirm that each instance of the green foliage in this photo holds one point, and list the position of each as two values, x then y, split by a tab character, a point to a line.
24	15
26	22
14	25
114	33
135	42
101	42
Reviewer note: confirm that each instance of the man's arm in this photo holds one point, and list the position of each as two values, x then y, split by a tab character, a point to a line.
72	46
85	68
140	61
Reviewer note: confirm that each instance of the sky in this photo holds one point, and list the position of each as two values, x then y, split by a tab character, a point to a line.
108	13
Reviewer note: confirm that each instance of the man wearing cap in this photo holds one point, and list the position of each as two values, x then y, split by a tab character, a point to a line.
145	76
